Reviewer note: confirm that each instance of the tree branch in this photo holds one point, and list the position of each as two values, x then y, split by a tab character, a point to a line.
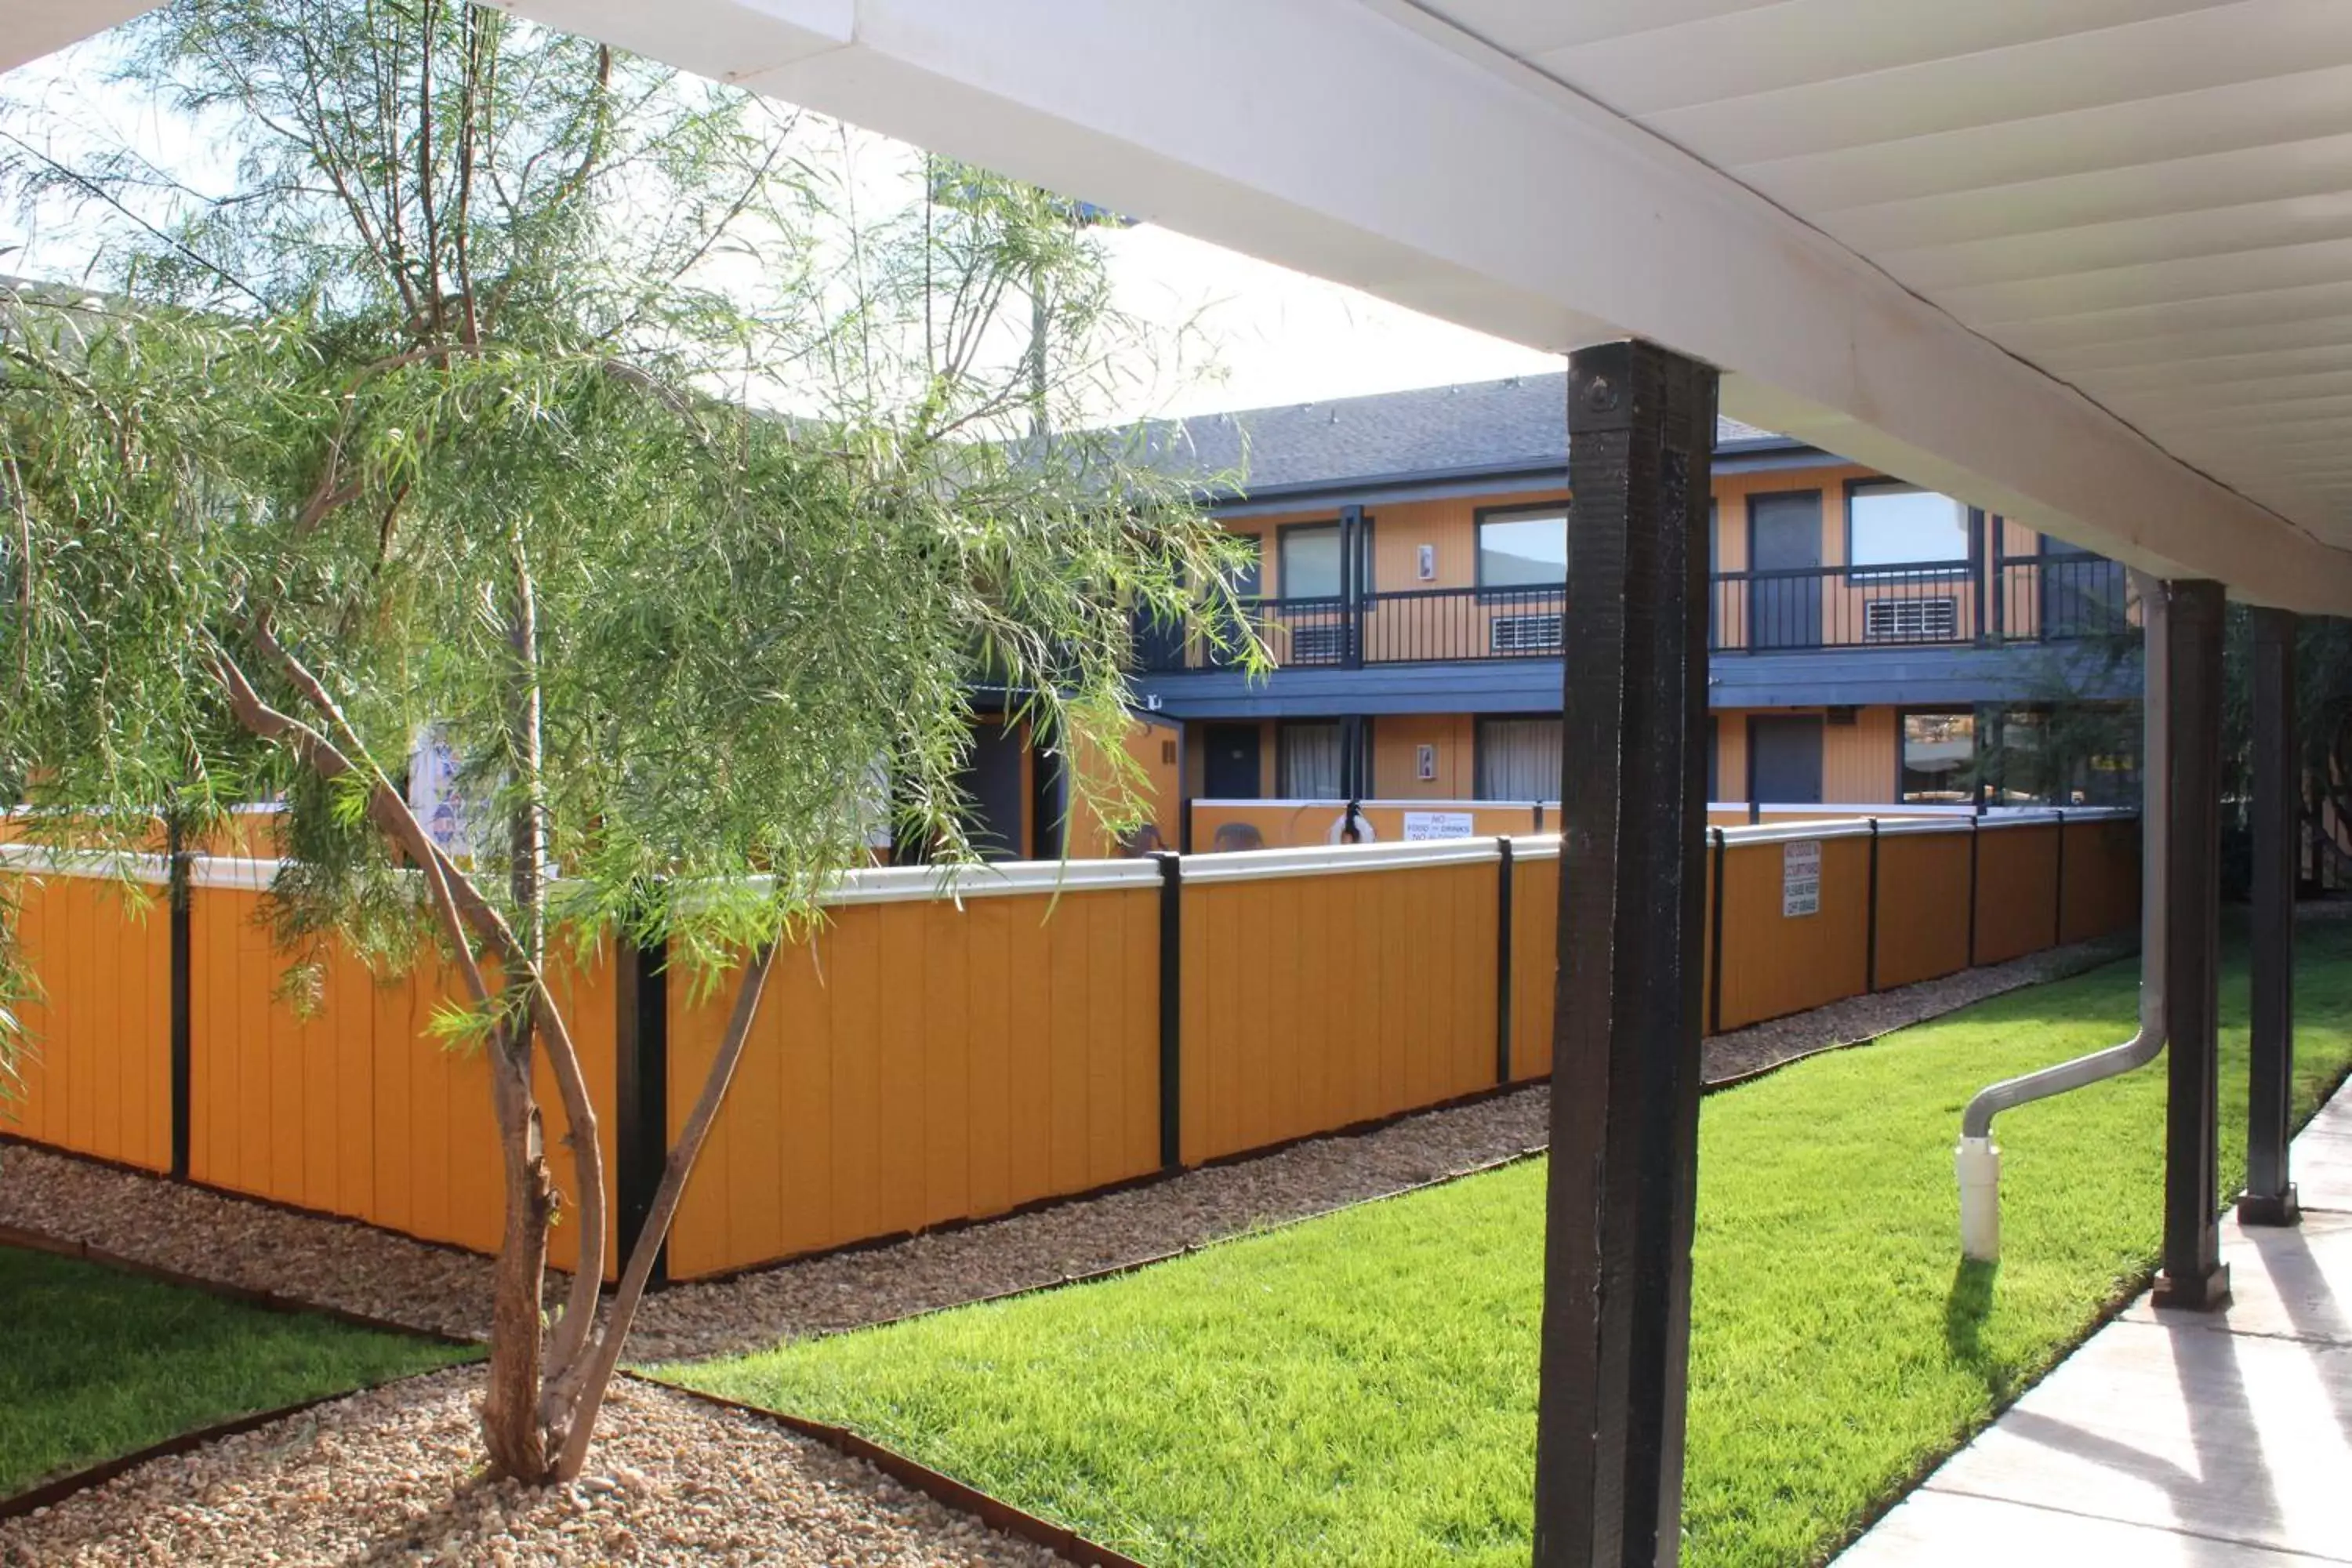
679	1165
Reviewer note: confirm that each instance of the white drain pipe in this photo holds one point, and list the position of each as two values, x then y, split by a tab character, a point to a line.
1977	1158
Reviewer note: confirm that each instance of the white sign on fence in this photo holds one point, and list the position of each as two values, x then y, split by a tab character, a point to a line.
1421	826
1801	879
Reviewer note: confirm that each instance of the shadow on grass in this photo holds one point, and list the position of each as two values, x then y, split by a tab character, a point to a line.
1965	1307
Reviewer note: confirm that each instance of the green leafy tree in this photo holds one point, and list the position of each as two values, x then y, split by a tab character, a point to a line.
603	421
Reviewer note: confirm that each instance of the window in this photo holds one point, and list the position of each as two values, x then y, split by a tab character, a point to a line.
1938	752
1890	525
2079	753
1518	759
1310	561
1523	549
1312	764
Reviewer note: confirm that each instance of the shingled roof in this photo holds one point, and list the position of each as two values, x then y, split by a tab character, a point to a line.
1486	426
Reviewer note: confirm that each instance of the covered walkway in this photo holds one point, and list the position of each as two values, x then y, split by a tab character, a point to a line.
2220	1439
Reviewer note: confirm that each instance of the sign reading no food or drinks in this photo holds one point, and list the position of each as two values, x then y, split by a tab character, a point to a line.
1423	826
1801	879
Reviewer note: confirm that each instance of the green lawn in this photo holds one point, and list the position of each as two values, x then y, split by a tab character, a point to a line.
95	1363
1361	1389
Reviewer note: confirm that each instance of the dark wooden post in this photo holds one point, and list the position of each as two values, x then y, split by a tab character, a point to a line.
1171	1010
1504	869
640	1089
1625	1072
2270	1196
2194	1274
179	868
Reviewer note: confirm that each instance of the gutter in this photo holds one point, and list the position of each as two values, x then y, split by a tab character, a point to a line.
1977	1158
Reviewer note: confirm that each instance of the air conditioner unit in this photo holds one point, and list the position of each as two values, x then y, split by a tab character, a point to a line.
1911	620
1317	645
1524	633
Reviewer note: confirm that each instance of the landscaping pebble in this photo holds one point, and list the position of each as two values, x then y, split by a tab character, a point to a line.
391	1475
378	1275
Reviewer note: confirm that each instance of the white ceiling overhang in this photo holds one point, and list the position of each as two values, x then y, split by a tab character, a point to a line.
2085	262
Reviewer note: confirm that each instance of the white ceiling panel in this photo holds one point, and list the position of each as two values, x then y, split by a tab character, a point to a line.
2184	53
2306	105
2103	247
1801	43
2149	200
1989	306
2241	176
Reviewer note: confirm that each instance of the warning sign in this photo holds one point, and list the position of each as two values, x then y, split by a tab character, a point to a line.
1801	879
1423	826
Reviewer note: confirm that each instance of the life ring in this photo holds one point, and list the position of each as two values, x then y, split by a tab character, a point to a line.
1338	834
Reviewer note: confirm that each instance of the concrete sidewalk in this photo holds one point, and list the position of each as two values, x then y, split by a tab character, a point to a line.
2176	1439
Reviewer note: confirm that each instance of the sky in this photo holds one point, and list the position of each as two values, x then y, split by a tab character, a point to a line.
1275	336
1283	337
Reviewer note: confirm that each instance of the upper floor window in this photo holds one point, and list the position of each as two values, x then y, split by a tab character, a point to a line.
1523	549
1310	561
1890	524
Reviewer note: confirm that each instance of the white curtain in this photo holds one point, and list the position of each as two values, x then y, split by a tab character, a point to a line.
1310	762
1518	759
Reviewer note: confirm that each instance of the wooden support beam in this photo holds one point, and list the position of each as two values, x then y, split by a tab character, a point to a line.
641	1087
2194	1274
1625	1073
2270	1196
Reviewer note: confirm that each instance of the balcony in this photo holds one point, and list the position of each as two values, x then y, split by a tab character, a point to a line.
2034	598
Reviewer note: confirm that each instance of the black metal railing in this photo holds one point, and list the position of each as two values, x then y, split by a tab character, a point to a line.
1904	605
2060	598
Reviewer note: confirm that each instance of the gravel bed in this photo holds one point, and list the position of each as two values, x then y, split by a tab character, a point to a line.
390	1477
250	1246
349	1267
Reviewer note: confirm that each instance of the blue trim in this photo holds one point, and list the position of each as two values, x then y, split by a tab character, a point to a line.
1861	678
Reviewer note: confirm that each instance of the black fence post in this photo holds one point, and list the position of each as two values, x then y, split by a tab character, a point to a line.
1621	1186
178	867
1172	1011
1715	937
1976	832
2270	1195
1502	896
641	1089
2194	1275
2058	916
1870	917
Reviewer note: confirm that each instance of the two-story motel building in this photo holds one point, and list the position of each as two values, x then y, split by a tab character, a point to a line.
1409	552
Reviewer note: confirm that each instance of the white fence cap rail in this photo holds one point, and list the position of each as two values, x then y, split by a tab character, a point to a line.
1250	864
1793	832
918	884
1900	827
104	865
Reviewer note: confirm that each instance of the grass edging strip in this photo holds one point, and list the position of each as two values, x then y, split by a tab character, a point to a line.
944	1490
60	1488
243	1295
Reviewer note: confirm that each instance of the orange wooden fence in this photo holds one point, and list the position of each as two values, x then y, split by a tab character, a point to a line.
926	1060
98	1077
947	1052
1323	988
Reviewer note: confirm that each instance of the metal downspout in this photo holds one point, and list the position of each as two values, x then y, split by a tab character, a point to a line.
1977	1158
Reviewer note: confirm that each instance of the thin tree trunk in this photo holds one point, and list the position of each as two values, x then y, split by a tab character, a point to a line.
511	1430
512	1424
